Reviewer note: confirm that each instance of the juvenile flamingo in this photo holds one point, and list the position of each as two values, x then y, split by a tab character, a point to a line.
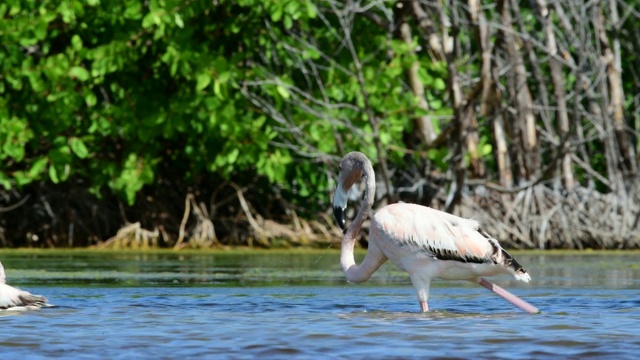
14	299
424	242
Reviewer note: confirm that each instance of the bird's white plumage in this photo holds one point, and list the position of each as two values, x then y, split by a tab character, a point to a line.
340	198
418	228
424	242
14	299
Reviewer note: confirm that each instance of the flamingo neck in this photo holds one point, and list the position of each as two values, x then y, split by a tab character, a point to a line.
3	278
353	272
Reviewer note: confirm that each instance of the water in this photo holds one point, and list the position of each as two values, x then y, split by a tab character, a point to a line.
246	305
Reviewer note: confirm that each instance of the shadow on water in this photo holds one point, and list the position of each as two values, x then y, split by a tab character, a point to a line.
297	304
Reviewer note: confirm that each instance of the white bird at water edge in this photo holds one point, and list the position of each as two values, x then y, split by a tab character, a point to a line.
14	299
424	242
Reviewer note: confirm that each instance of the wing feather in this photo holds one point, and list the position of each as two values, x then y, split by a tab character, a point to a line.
437	233
11	297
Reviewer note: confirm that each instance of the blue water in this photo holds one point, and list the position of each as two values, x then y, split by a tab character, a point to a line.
266	305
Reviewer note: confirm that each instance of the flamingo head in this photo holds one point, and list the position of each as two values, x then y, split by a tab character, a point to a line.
351	171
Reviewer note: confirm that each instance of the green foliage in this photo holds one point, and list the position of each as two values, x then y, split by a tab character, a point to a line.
178	89
135	174
109	95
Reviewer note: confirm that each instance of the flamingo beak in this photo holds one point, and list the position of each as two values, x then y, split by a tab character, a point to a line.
338	213
340	205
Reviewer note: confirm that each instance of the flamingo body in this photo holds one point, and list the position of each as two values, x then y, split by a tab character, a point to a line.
14	299
444	246
424	242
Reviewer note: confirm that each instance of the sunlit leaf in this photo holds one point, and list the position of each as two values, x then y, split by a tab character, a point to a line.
283	91
78	147
90	99
38	167
202	80
178	20
76	42
53	174
79	73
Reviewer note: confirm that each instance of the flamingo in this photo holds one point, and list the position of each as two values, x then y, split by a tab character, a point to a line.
14	299
424	242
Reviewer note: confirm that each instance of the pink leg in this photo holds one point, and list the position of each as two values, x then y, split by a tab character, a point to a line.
525	306
424	306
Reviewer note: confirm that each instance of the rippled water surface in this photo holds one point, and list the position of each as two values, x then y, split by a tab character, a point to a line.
298	305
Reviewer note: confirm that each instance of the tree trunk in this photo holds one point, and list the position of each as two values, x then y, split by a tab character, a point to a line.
502	153
423	125
558	90
612	149
458	104
614	72
523	127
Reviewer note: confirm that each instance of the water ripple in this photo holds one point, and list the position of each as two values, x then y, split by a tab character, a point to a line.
124	314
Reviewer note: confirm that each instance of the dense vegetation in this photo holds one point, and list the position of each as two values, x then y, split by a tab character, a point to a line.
201	123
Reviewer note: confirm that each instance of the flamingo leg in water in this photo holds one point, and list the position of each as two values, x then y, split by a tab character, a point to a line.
525	306
424	306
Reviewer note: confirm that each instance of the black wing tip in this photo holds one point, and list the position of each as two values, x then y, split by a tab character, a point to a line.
509	261
33	300
501	257
515	265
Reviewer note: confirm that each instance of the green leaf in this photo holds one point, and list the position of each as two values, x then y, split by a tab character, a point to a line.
133	10
311	10
21	178
53	174
79	73
276	15
424	76
288	22
486	149
78	147
202	80
5	181
76	42
283	91
221	65
38	167
293	8
40	30
385	138
178	19
418	111
135	173
233	156
149	20
90	99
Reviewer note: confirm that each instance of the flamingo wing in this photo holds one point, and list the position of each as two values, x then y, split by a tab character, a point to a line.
443	236
11	298
438	234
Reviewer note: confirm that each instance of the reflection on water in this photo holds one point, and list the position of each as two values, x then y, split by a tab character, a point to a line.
298	305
